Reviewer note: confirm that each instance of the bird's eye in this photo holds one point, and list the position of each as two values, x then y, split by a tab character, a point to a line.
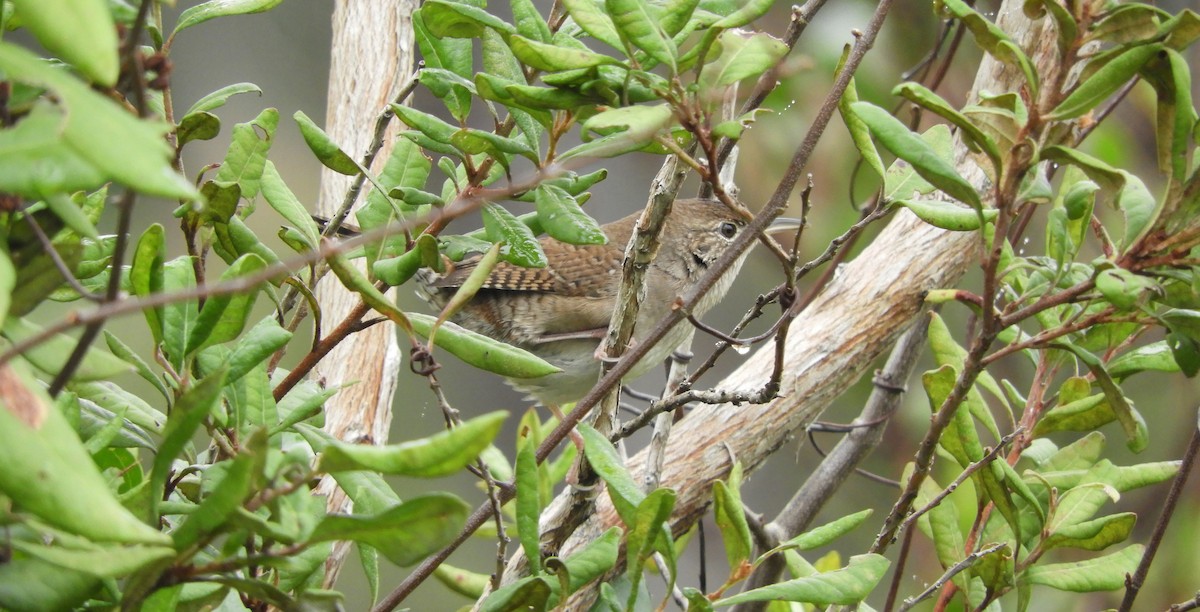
728	229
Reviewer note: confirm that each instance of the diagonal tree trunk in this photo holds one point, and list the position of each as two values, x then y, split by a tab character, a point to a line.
833	342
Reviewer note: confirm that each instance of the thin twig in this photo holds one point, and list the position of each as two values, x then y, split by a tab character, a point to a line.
1190	604
898	571
966	473
113	291
971	559
1133	584
59	264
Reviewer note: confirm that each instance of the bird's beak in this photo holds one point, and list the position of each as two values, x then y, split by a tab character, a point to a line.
783	224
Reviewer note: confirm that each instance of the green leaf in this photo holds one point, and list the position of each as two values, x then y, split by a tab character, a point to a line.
528	593
281	198
626	495
1136	435
146	275
451	54
747	13
441	454
1105	573
530	23
248	398
87	140
212	9
697	601
197	126
1104	82
1064	21
32	585
457	20
858	130
1124	289
941	523
235	239
901	180
247	155
897	138
102	561
553	58
50	355
634	125
218	98
80	32
591	17
523	247
820	536
71	215
8	279
406	533
187	414
845	586
948	215
449	88
223	317
948	352
474	142
1140	208
926	98
528	507
730	517
1182	30
1096	534
649	532
1185	352
594	560
235	487
987	35
396	271
327	151
1078	455
562	218
1079	202
1084	414
47	471
742	57
220	200
640	28
115	400
534	99
482	351
1081	502
1110	179
255	347
464	582
123	352
1154	357
407	167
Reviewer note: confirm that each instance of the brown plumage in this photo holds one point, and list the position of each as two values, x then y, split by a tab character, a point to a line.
560	312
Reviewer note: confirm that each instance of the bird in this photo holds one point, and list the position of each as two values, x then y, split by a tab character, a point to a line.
561	312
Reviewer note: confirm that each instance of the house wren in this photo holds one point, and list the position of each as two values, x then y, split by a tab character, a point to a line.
561	312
